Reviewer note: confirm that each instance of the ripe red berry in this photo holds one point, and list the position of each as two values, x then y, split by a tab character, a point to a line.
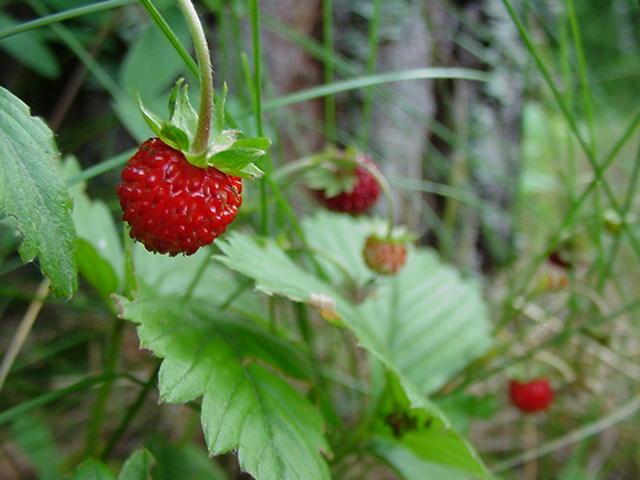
533	396
172	206
360	198
384	256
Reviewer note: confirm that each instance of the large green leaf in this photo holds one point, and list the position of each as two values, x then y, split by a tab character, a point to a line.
436	454
36	441
342	238
32	192
100	257
92	470
245	407
426	323
137	467
175	460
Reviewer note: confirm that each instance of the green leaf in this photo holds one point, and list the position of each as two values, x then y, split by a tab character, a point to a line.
245	407
99	252
150	65
436	454
273	271
32	191
29	49
182	460
36	441
92	470
345	249
426	323
137	467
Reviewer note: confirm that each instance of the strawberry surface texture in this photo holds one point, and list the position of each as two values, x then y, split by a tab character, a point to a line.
172	206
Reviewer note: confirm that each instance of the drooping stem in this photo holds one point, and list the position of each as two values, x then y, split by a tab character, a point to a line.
386	191
205	115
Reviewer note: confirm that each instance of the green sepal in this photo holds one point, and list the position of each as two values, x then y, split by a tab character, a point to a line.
236	160
182	113
226	151
399	234
333	171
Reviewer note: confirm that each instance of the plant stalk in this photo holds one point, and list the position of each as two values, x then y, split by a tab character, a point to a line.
203	130
23	330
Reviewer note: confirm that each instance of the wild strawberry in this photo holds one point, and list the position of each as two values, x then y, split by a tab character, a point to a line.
178	196
385	256
530	397
343	181
172	206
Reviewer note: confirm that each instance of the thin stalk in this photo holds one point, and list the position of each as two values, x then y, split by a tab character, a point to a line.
159	20
372	80
78	49
628	204
257	108
322	389
24	407
24	328
533	265
367	107
569	118
330	100
131	413
196	278
62	16
100	408
203	129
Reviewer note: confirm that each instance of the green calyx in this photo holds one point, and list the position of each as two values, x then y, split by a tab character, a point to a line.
334	171
226	150
397	236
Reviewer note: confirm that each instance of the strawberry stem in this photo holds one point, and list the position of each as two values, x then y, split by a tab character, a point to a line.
205	115
386	191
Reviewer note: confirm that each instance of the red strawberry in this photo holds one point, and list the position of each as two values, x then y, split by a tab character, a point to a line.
530	397
362	194
172	206
385	256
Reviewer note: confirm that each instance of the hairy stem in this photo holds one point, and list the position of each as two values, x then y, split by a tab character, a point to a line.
205	115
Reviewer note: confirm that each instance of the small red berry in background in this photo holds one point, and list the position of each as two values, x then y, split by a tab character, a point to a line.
384	255
173	206
359	199
343	182
530	397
